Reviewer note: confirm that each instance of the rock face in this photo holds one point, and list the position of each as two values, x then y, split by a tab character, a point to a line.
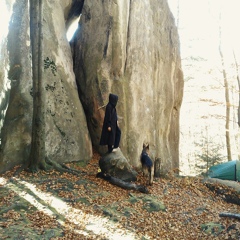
131	48
67	136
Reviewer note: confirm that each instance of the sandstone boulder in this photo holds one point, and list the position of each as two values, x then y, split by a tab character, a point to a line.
116	165
67	136
131	48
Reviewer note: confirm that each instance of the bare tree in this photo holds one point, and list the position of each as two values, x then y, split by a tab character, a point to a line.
238	81
227	98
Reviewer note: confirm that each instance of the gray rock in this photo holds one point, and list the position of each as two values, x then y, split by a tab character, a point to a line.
131	48
67	136
116	165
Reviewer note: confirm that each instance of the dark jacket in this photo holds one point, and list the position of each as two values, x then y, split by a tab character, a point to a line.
110	120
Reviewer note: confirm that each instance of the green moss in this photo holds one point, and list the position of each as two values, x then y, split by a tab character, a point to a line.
83	200
152	204
81	163
212	228
50	64
51	88
133	199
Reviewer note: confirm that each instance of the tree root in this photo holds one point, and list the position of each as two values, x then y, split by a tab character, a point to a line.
231	215
62	167
20	169
49	165
120	183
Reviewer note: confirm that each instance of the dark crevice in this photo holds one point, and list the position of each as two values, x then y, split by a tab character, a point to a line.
129	20
108	31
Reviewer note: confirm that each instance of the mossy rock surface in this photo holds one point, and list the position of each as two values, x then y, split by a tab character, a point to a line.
212	228
153	204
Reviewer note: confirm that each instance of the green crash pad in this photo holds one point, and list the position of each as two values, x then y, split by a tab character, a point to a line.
226	171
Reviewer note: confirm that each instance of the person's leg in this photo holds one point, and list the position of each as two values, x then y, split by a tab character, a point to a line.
117	137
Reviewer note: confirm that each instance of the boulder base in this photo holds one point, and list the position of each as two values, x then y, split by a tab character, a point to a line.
116	165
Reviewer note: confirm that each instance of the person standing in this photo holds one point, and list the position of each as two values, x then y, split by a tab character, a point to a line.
111	133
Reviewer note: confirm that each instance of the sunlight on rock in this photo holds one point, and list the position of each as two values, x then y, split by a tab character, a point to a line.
73	28
4	19
5	15
95	224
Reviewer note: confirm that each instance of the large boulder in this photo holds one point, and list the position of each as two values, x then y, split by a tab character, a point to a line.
116	165
67	136
131	48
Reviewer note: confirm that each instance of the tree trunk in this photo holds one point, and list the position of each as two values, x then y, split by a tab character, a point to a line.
157	167
228	141
238	81
37	158
227	100
37	153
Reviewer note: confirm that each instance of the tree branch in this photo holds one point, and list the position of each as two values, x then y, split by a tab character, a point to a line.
231	215
120	183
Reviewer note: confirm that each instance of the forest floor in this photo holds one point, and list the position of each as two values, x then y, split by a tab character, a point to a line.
51	205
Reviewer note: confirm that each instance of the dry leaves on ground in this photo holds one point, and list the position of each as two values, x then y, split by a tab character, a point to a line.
64	206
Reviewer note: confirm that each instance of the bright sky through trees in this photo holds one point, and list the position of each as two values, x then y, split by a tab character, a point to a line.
199	26
4	20
203	113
